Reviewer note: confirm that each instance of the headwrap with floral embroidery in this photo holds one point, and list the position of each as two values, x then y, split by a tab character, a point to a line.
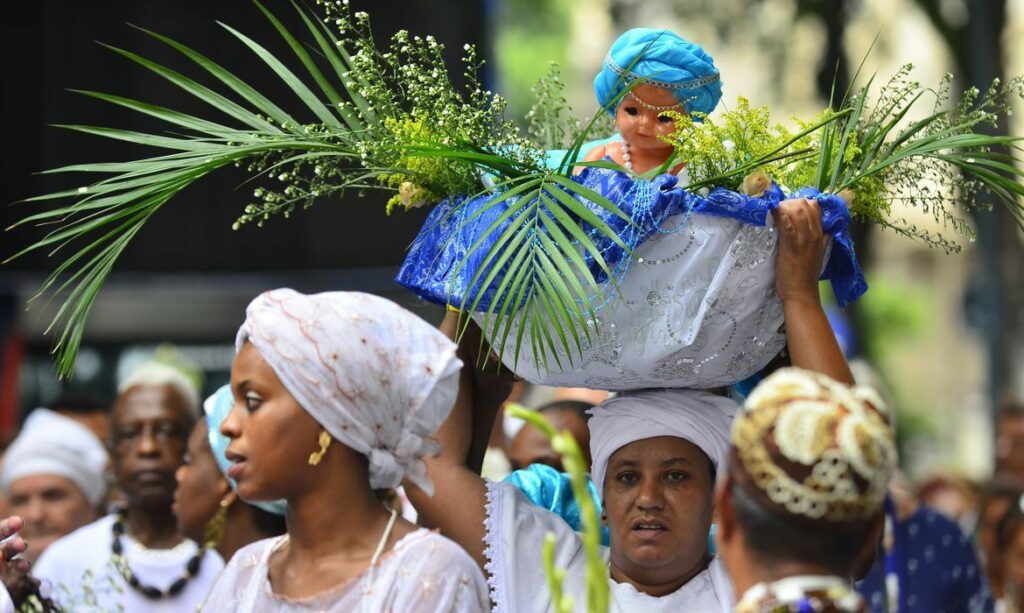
813	448
376	377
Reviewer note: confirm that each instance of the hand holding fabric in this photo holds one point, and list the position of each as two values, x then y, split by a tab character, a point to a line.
802	246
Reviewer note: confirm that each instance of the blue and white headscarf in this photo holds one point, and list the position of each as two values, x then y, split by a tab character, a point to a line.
217	407
665	60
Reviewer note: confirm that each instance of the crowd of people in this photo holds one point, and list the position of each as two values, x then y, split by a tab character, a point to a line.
249	501
345	468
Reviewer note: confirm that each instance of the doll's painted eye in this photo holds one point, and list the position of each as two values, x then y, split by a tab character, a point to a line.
664	119
631	110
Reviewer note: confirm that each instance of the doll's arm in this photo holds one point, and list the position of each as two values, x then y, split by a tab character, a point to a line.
596	153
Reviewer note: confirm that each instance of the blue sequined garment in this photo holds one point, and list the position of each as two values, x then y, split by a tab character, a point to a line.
434	270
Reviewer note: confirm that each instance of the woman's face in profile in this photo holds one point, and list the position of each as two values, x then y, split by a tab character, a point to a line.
201	485
271	435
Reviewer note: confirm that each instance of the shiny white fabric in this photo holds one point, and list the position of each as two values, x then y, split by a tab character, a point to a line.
6	604
700	417
698	309
515	530
423	572
376	377
52	444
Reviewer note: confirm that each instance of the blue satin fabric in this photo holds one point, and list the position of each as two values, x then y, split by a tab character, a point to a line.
550	489
433	267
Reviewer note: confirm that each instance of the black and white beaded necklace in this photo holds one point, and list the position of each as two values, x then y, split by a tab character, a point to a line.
153	593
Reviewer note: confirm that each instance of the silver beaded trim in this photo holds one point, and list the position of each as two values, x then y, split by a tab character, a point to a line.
654	107
629	75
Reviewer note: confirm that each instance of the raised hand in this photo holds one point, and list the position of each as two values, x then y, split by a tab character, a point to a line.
801	249
12	545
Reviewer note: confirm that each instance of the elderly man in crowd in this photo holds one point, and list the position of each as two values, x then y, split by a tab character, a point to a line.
52	476
800	507
134	559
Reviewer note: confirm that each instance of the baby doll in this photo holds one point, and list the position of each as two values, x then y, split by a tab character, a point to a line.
696	304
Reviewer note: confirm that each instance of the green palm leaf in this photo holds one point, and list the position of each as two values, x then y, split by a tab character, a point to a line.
107	213
548	287
538	263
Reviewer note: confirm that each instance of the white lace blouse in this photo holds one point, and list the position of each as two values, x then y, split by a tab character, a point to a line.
424	571
515	531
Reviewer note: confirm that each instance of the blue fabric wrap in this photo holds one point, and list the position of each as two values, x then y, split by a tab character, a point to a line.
550	489
217	408
665	59
432	269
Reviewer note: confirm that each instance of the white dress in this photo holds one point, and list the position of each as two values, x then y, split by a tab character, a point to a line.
424	571
515	530
77	572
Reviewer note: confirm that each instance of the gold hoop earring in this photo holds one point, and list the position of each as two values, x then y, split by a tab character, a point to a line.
215	527
325	442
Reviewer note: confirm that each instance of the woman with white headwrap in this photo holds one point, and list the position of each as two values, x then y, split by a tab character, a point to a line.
337	394
655	456
52	475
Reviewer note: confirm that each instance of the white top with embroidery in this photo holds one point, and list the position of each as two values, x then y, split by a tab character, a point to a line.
78	573
515	530
424	571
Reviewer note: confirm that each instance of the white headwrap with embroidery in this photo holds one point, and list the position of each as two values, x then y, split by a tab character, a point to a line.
699	417
376	377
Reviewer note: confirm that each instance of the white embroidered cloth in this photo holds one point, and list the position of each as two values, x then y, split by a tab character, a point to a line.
515	530
376	377
423	572
699	417
697	310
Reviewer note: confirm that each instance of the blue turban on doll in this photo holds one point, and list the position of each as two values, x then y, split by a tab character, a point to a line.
665	60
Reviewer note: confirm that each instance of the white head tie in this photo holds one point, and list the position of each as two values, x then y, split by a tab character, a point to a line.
815	447
699	417
378	378
52	444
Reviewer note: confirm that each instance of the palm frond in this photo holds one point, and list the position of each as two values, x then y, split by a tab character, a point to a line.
536	252
107	213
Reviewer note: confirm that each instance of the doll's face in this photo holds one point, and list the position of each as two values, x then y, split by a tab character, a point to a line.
639	125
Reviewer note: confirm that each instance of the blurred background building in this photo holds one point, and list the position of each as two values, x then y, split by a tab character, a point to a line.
944	332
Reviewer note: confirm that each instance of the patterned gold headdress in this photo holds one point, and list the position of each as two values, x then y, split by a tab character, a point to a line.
814	447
